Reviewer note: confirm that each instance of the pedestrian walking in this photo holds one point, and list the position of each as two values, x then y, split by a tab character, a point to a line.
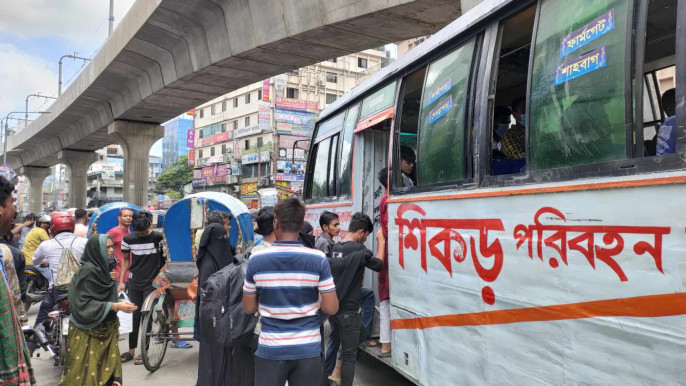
144	259
285	283
117	233
92	346
348	261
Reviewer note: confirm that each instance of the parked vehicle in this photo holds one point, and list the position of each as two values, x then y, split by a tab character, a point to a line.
52	335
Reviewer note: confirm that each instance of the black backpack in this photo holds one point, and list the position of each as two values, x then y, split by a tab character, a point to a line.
222	318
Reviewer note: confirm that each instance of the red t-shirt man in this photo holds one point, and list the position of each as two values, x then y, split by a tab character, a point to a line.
117	233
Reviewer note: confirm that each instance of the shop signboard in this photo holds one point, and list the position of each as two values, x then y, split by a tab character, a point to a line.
215	159
288	154
289	177
190	138
249	189
287	141
206	141
265	90
294	130
197	173
246	131
220	137
263	156
264	115
296	117
191	157
296	105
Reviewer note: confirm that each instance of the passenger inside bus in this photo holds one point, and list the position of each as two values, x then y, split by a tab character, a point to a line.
501	123
659	78
407	166
513	68
666	137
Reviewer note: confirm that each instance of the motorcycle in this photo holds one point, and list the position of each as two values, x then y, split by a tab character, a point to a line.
52	334
36	286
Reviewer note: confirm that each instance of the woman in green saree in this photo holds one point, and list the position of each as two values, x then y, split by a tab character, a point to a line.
92	347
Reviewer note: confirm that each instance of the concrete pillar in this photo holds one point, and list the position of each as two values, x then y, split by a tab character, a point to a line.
136	139
78	162
36	176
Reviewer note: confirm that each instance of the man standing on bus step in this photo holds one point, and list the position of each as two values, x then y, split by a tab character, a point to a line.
142	251
285	282
349	259
331	227
512	145
117	233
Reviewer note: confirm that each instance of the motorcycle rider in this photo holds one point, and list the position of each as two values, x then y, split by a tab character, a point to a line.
37	235
62	227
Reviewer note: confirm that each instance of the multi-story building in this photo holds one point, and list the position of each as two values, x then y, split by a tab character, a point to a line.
174	141
106	176
257	136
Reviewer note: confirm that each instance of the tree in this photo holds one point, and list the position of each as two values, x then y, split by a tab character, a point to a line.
172	179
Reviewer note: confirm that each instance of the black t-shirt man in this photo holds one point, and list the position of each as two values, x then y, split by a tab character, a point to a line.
147	258
348	261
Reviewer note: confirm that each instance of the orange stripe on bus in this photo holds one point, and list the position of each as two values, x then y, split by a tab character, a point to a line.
549	189
333	205
642	306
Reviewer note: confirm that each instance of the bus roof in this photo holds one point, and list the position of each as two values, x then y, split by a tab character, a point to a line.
462	23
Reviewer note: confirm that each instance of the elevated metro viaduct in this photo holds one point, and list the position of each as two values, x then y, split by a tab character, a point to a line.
168	56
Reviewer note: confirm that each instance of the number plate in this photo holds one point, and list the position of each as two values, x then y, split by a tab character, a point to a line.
65	326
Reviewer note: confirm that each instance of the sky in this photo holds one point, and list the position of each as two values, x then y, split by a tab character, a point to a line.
34	34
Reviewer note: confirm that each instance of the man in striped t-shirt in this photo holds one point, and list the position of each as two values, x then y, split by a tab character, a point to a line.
284	283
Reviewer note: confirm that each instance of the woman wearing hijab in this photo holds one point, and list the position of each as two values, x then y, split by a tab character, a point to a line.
15	362
214	253
306	236
92	346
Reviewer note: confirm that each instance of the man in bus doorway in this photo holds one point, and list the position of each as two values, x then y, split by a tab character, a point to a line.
331	227
512	145
348	260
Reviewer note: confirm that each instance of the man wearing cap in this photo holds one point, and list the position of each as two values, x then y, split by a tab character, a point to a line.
62	227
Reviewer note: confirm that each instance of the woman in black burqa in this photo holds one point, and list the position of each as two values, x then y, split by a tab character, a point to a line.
214	253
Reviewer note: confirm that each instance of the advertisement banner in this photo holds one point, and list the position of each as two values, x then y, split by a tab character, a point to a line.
236	150
197	173
287	167
215	159
191	112
206	141
250	188
198	182
287	141
191	157
284	128
287	154
297	105
220	137
295	117
289	177
265	90
264	115
246	131
264	156
208	171
190	138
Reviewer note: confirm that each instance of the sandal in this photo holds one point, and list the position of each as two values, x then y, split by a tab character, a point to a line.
126	357
384	354
138	361
370	343
181	344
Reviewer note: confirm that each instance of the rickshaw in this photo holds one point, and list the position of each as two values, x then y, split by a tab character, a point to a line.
107	217
170	307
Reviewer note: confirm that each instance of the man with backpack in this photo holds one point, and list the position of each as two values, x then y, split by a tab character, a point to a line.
349	259
64	245
285	283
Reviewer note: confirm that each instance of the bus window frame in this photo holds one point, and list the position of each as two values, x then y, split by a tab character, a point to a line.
456	42
489	86
619	168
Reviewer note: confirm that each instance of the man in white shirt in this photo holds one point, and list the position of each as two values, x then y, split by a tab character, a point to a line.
49	252
81	218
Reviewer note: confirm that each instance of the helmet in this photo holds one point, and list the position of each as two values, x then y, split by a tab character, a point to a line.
62	221
44	218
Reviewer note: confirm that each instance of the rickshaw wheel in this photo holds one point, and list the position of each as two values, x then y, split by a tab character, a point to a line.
155	336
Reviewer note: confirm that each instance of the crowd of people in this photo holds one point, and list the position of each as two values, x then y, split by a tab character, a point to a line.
293	281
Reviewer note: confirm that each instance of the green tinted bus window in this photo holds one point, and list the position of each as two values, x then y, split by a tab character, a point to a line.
577	112
378	101
347	150
440	153
330	125
321	168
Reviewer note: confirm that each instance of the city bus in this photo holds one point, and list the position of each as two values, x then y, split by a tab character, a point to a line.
552	252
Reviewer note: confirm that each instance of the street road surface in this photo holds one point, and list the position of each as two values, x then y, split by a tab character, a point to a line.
179	368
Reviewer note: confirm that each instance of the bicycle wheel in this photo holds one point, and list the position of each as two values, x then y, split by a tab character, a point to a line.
154	337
